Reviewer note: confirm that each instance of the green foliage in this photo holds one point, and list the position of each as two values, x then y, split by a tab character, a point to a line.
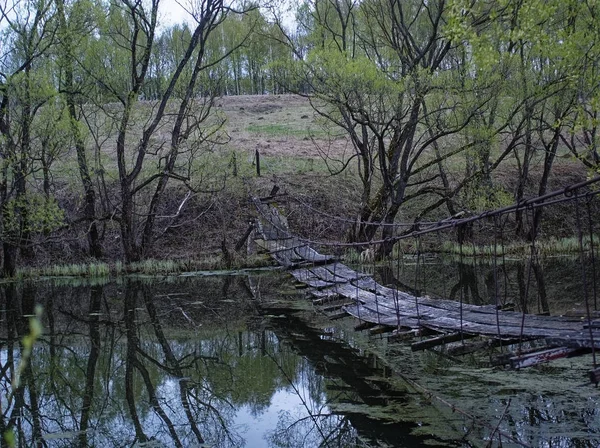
348	78
487	197
43	214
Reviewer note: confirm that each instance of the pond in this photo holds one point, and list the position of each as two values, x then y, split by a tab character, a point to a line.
228	361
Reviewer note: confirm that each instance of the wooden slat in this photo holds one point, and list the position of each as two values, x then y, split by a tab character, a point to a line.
440	340
533	359
312	256
380	329
364	326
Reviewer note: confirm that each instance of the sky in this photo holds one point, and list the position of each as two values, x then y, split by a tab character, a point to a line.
171	12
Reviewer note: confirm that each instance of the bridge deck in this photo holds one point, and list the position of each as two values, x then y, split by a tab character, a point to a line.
358	295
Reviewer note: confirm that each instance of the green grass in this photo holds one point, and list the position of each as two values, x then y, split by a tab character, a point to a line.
519	250
94	270
147	267
552	246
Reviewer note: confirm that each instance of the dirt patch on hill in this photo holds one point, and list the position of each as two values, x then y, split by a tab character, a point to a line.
281	125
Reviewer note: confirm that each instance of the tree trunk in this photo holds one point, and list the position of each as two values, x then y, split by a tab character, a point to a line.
10	251
84	173
549	157
90	373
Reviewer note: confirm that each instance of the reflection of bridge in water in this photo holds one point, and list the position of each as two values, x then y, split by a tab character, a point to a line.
341	291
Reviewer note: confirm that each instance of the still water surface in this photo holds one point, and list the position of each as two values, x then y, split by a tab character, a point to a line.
221	362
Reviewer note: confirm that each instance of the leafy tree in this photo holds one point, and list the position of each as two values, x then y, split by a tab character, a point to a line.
379	70
146	164
27	33
542	53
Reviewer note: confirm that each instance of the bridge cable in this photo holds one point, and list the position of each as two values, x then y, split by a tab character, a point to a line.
461	278
533	203
496	276
592	250
417	291
399	257
584	276
444	288
504	268
374	255
529	215
354	220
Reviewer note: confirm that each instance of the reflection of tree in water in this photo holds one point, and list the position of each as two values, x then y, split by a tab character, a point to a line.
115	370
319	430
467	288
312	423
20	402
336	388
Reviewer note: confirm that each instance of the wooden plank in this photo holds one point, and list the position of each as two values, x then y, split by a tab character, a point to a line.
333	307
317	283
364	313
510	319
442	324
367	283
544	356
317	272
337	316
326	274
440	340
345	272
595	324
364	326
380	329
308	254
352	292
284	256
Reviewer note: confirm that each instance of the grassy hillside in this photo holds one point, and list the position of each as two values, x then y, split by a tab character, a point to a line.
298	151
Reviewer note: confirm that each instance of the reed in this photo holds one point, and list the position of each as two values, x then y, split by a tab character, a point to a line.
548	247
102	270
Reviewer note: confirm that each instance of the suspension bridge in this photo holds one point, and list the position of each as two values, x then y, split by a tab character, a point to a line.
341	291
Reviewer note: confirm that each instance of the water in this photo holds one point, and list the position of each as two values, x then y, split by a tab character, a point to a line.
174	364
234	361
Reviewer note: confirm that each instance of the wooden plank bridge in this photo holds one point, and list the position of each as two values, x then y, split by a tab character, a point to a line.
341	291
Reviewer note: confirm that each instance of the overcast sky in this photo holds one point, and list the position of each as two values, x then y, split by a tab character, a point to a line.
170	13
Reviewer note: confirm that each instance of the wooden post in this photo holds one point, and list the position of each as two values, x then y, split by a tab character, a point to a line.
257	163
243	239
234	163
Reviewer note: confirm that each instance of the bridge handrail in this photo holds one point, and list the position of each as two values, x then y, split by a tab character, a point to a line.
569	192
